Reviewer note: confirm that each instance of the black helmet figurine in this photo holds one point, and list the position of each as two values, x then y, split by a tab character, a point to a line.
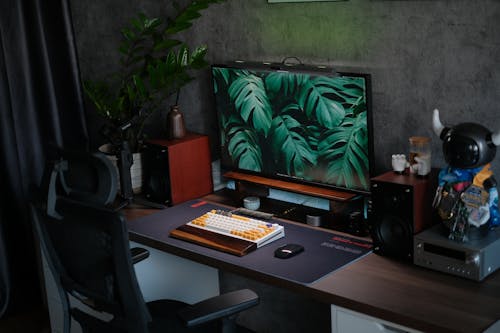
466	145
467	193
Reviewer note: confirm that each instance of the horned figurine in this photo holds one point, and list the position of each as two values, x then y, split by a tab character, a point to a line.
467	194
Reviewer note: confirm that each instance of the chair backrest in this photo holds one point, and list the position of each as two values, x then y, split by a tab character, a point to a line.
88	249
87	177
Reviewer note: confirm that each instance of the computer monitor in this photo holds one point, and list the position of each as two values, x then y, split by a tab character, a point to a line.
306	124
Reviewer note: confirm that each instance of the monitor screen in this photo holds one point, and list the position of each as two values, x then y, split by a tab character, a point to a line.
298	123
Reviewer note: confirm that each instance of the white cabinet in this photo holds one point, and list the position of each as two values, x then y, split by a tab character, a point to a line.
166	276
347	321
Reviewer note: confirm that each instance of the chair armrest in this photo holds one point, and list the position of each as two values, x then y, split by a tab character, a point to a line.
138	254
218	307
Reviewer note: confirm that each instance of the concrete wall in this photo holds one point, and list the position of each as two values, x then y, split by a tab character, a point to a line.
421	55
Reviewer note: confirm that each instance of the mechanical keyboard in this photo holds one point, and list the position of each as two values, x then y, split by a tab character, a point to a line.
229	232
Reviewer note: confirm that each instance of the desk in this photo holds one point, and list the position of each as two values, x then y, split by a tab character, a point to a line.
375	286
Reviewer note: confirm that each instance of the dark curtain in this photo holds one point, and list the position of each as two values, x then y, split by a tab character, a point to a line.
41	107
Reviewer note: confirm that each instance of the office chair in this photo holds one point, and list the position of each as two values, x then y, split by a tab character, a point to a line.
87	250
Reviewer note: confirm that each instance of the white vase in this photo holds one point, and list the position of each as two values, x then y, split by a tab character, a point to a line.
136	173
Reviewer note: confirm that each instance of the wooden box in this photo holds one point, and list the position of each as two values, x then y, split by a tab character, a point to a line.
189	167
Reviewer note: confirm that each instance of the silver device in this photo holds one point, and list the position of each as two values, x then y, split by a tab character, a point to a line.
475	259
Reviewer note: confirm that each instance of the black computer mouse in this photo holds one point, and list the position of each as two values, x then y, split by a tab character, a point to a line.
288	251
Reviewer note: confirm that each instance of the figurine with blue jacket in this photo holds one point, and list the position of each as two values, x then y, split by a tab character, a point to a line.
467	195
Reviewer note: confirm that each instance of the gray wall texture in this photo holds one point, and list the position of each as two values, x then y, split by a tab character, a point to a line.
421	55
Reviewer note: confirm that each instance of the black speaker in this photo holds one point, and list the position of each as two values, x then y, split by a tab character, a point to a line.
400	206
156	181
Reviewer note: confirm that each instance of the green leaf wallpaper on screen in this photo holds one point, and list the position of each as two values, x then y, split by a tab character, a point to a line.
301	125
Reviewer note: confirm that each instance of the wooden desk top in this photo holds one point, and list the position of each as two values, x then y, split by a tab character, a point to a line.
413	296
387	289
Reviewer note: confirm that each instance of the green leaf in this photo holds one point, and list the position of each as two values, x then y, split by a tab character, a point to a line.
185	17
243	145
346	89
171	59
290	146
154	76
131	93
188	16
152	24
137	22
358	107
223	73
139	84
314	101
123	49
183	56
197	60
287	83
128	34
344	149
251	101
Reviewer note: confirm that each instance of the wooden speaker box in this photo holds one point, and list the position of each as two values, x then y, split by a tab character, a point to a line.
177	170
399	207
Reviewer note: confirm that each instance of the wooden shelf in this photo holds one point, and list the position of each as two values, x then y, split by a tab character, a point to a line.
330	194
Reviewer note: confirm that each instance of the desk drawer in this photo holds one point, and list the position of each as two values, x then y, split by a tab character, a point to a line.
347	321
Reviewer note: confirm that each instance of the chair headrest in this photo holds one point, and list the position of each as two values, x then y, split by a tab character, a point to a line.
82	176
90	177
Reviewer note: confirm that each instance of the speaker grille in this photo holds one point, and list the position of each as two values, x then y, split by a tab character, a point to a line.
156	187
391	219
394	236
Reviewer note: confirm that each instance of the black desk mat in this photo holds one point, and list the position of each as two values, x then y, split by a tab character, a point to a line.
324	252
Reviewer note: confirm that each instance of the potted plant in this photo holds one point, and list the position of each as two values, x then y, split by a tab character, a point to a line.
154	65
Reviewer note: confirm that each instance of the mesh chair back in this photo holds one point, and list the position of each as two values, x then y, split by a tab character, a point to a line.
87	245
